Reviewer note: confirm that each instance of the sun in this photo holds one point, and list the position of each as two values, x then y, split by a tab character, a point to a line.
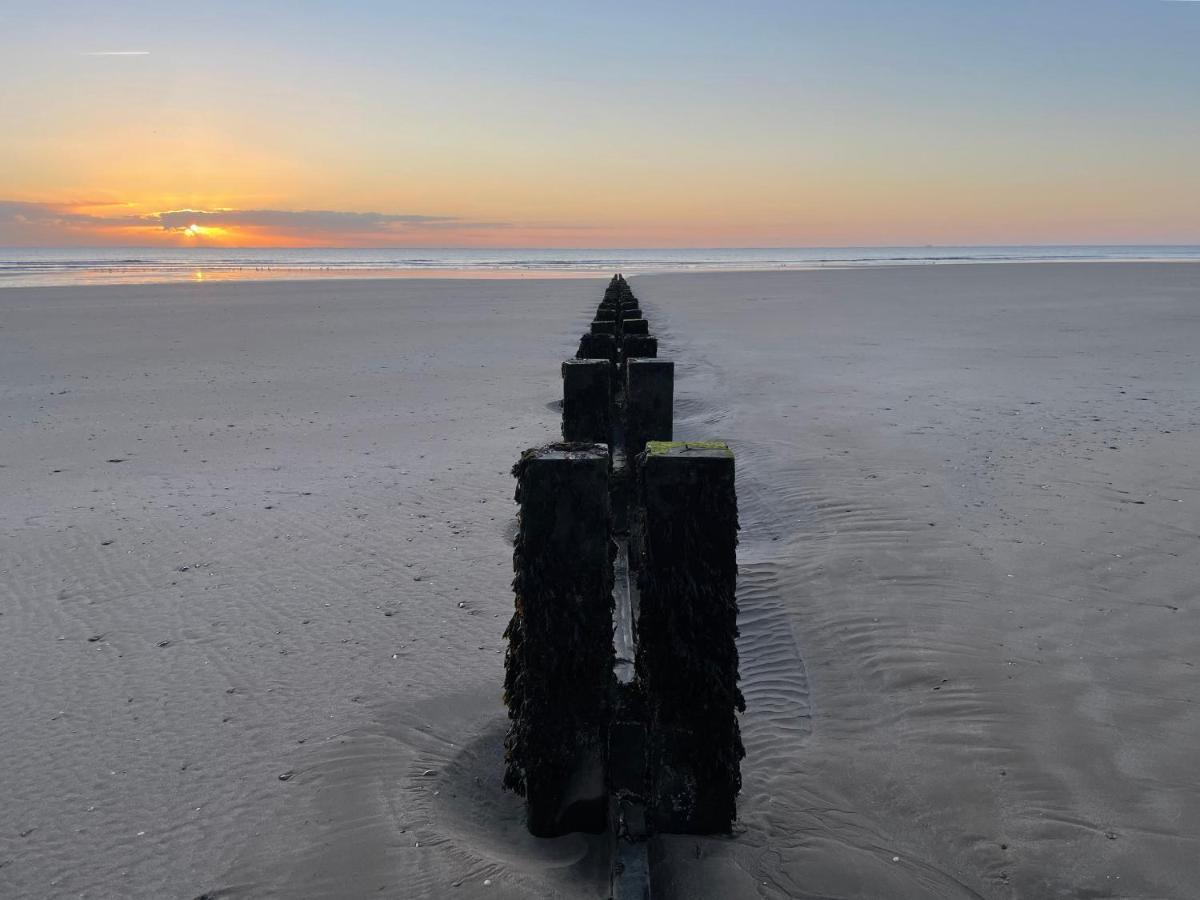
203	231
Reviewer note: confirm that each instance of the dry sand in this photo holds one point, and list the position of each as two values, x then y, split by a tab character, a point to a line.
255	571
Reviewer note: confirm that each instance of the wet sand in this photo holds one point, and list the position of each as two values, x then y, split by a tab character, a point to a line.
255	565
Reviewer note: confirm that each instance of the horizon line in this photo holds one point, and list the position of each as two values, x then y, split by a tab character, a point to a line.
604	249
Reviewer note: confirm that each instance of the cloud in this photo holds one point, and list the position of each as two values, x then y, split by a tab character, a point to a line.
35	218
22	212
324	221
116	53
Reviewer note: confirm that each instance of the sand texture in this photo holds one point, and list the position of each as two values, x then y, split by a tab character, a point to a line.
255	566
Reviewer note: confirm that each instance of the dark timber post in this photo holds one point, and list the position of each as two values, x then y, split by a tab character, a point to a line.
558	680
649	399
587	395
687	659
598	346
640	346
621	677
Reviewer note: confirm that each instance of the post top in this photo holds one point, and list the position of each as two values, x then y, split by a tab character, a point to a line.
568	452
688	450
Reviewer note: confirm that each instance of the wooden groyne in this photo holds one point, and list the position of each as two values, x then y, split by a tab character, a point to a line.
622	668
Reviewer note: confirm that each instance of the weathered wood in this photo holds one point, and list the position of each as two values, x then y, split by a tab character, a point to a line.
687	659
587	400
639	346
649	401
559	679
598	346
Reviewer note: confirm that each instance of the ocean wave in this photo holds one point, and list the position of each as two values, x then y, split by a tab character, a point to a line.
31	267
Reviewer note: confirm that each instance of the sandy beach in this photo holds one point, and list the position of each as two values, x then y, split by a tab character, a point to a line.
255	561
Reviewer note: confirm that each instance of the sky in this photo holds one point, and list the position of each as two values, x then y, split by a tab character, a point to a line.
471	123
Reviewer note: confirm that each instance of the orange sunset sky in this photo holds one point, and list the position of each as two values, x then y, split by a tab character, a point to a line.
659	125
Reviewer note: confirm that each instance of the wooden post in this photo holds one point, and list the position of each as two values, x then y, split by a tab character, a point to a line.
687	660
559	681
640	346
587	398
598	346
649	401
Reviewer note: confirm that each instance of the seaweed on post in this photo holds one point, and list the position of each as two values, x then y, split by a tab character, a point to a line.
558	669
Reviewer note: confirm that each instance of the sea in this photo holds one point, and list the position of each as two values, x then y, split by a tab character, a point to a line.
28	267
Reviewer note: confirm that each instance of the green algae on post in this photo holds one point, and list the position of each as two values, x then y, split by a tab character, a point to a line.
661	447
